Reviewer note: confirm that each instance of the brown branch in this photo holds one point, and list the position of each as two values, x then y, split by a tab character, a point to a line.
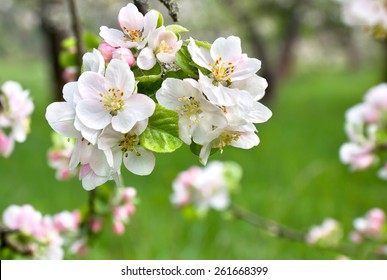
142	6
173	8
76	25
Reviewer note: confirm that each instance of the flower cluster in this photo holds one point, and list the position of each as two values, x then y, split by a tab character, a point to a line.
328	234
15	110
369	14
44	236
207	187
372	226
59	157
123	209
221	107
366	126
207	98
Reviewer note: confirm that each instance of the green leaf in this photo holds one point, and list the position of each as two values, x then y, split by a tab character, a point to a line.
150	75
67	59
184	61
195	149
91	41
175	28
202	44
162	133
180	74
160	20
149	88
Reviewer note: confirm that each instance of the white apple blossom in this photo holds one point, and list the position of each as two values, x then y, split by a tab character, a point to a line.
15	109
162	46
196	114
111	99
135	28
227	64
137	159
328	233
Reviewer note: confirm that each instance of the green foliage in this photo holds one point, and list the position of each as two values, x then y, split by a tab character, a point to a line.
177	29
160	20
67	59
184	61
195	149
150	75
162	133
91	41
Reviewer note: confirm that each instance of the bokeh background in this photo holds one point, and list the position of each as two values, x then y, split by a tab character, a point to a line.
316	67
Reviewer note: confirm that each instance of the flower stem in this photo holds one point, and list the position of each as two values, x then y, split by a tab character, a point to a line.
91	213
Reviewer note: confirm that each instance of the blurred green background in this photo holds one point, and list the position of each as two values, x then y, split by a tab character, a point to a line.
294	176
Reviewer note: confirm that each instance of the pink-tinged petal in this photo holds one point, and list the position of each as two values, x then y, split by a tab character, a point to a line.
106	51
146	60
255	85
246	140
166	57
94	62
92	114
99	163
229	49
130	18
89	134
120	76
168	37
125	55
6	145
142	164
69	91
200	56
60	116
113	37
92	180
150	22
245	68
91	85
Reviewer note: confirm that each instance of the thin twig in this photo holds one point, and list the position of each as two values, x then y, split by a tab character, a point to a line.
7	242
173	8
76	25
270	226
91	213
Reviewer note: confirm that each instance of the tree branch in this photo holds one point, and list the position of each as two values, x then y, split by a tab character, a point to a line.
173	8
76	25
91	213
142	6
7	242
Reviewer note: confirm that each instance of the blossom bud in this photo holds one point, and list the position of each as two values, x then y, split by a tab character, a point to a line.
96	226
128	194
6	145
118	228
125	55
106	51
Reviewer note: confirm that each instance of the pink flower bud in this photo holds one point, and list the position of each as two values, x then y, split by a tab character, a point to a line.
70	74
64	174
6	145
376	215
96	226
106	51
128	194
118	228
125	55
130	208
188	176
356	237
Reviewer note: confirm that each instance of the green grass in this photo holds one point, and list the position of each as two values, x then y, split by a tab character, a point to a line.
294	176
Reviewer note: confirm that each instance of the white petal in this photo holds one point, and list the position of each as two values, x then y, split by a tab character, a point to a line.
255	85
130	18
246	140
166	57
120	76
245	68
218	95
205	153
228	49
200	56
92	180
142	164
139	127
91	85
60	116
92	114
89	134
171	90
69	91
94	62
99	163
109	138
146	60
150	21
113	37
185	133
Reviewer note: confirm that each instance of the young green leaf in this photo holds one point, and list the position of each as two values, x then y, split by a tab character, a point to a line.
162	133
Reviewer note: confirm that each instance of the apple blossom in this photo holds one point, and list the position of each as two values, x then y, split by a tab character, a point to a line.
328	234
135	28
162	45
6	145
